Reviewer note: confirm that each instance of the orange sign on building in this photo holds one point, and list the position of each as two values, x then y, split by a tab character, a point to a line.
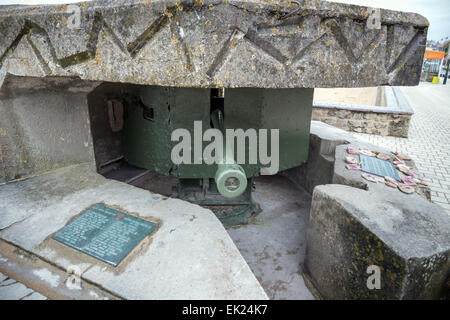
434	54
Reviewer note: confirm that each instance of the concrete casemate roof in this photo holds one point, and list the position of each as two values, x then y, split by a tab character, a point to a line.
214	43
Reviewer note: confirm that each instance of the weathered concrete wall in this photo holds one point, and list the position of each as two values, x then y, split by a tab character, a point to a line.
384	124
355	223
405	236
390	120
44	124
107	122
319	168
215	43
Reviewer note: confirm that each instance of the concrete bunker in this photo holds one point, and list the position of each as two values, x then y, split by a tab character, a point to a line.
109	94
131	129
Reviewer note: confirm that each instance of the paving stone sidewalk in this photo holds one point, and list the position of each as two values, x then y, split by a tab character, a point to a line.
429	137
11	289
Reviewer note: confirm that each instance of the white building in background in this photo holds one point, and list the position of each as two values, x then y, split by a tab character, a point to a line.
432	64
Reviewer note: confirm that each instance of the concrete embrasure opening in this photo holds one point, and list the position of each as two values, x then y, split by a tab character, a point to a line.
133	130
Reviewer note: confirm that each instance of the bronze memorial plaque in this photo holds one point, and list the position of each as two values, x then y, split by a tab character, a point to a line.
378	167
105	233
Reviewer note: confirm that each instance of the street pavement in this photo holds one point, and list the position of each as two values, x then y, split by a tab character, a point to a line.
428	142
11	289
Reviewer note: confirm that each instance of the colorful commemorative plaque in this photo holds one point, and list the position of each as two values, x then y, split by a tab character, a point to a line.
383	156
409	181
406	189
420	181
412	174
352	166
378	167
366	152
370	177
105	233
391	182
402	156
351	160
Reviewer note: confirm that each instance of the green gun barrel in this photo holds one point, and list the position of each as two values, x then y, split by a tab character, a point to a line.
230	177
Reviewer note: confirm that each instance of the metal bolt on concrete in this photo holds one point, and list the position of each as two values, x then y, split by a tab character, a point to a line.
429	138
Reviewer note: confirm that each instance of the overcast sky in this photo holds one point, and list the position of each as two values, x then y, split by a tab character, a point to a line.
436	11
